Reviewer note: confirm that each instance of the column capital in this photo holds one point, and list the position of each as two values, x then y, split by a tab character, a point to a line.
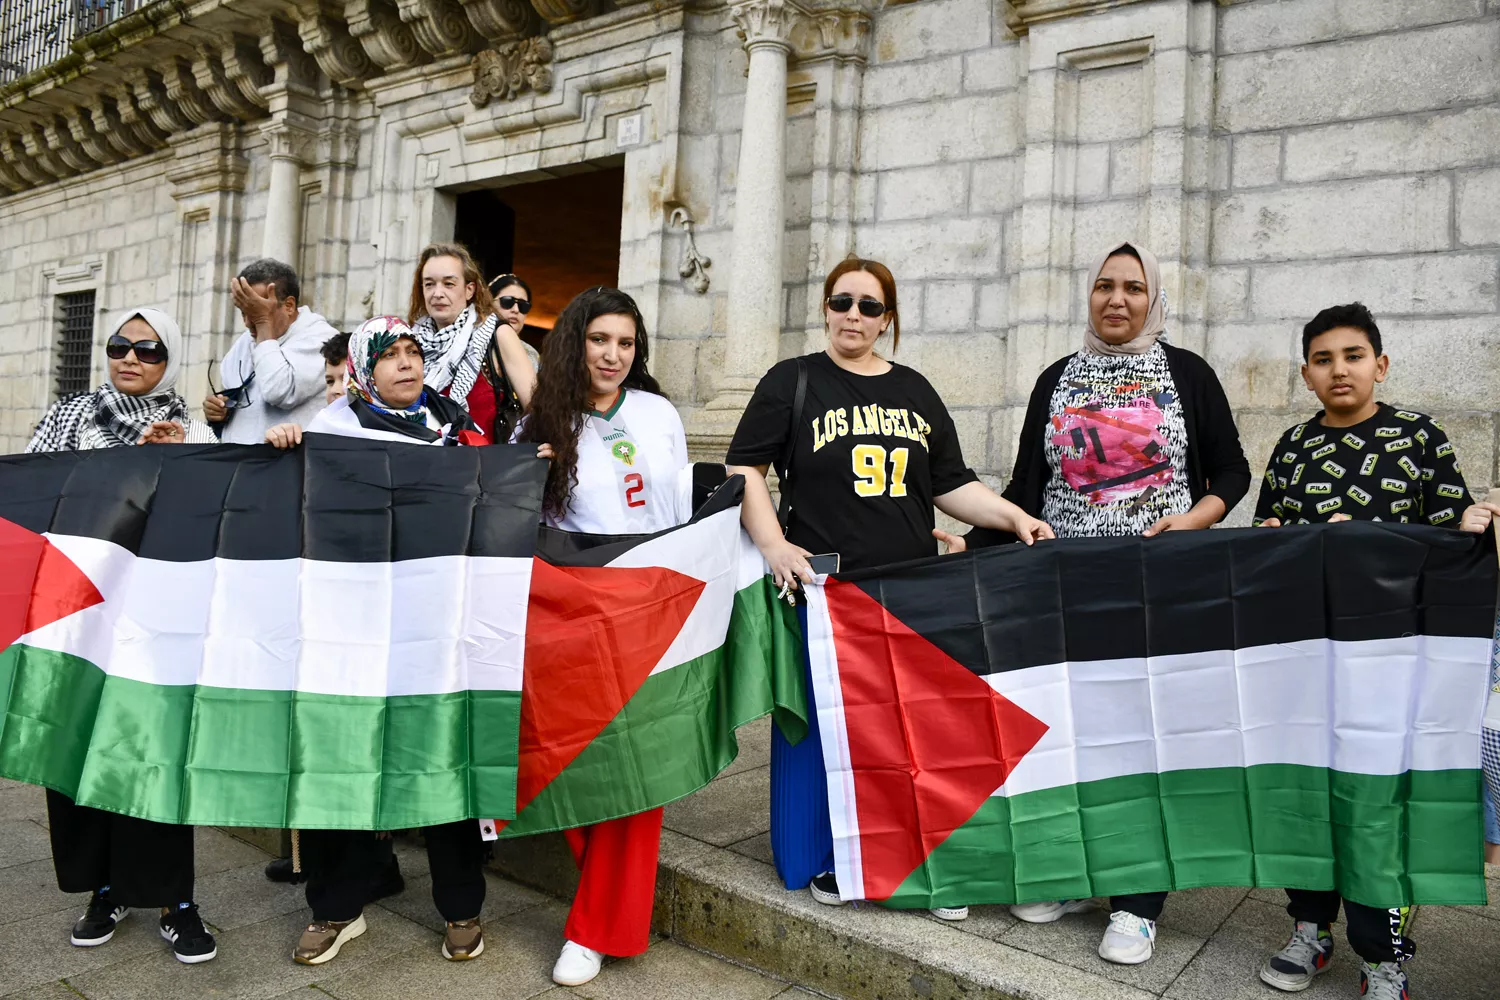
767	22
288	140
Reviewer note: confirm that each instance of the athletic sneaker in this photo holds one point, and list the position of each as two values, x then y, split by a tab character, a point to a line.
950	913
1128	940
1306	955
1050	910
191	941
1385	981
825	889
576	965
97	925
323	938
463	940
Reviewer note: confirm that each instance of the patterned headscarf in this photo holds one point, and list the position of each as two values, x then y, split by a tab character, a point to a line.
367	343
1156	319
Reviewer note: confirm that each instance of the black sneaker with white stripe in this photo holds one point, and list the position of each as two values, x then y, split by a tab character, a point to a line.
191	941
97	925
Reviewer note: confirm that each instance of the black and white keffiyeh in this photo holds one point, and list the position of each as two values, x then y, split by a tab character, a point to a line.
455	354
109	418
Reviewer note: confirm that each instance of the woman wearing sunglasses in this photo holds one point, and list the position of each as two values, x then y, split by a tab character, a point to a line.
453	314
139	403
123	861
871	452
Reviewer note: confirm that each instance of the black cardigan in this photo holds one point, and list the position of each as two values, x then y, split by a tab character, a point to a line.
1216	464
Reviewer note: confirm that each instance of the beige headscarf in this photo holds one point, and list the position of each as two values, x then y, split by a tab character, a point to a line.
1156	318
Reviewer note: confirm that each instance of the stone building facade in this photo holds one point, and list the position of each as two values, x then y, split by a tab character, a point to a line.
1277	155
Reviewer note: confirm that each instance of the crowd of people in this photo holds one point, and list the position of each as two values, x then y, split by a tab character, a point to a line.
1128	435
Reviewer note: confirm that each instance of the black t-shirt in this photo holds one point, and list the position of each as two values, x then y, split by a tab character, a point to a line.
1397	466
871	453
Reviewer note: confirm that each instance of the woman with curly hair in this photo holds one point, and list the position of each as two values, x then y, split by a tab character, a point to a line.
619	463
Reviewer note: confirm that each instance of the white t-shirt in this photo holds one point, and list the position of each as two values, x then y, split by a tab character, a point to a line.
634	476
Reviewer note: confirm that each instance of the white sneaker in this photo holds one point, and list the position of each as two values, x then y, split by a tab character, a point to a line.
576	965
1048	911
951	913
1128	940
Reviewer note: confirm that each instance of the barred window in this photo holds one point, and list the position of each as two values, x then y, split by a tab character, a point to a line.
75	342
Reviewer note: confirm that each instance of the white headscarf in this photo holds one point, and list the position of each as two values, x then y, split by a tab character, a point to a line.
1156	318
169	333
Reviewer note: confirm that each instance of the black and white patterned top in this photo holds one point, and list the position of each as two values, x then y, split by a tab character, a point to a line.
1396	466
1116	446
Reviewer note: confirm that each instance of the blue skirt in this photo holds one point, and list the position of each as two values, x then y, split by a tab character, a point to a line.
801	837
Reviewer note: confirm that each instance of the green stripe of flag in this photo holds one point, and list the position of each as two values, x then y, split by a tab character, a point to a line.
1418	835
677	732
227	757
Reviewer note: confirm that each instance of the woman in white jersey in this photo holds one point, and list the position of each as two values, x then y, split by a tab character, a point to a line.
619	462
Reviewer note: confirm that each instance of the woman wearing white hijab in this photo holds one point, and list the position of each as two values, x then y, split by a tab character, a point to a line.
123	861
138	404
1127	436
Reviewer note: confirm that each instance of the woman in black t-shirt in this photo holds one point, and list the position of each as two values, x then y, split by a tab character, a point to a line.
874	451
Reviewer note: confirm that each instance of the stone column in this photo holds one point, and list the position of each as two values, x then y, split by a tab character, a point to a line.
282	237
755	300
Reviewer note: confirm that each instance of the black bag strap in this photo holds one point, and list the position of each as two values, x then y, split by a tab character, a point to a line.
784	470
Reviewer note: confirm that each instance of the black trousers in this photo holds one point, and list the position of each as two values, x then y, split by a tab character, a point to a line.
143	863
343	867
455	854
1146	905
1375	935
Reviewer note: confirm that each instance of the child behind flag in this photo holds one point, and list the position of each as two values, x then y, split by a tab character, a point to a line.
1365	460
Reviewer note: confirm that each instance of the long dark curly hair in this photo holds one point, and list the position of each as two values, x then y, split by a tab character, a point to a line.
560	402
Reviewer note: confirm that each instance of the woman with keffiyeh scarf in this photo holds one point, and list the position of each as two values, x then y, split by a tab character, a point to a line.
453	314
122	860
387	401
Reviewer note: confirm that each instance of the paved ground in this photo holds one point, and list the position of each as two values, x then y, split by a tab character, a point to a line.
257	923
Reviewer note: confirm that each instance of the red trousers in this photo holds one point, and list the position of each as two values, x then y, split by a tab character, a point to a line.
612	910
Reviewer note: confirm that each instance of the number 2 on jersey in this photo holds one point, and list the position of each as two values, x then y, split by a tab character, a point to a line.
869	467
634	486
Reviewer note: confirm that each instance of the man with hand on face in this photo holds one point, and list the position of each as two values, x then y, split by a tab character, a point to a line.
273	372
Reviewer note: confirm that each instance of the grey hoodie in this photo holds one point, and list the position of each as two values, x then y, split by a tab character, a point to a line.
288	385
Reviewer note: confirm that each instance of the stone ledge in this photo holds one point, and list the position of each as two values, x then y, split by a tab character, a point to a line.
715	900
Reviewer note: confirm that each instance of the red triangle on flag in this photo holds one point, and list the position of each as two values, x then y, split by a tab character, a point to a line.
593	636
38	583
929	740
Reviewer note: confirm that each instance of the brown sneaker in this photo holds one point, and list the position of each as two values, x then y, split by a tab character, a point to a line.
323	939
464	940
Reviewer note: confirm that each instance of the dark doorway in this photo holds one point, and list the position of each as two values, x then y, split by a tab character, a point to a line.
562	235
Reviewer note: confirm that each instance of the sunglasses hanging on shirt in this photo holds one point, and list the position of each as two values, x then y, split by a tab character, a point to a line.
867	306
147	352
511	302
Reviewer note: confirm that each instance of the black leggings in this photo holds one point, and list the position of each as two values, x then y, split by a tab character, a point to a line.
1376	935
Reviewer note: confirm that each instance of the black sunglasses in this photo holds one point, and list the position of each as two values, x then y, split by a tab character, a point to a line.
147	352
867	307
511	302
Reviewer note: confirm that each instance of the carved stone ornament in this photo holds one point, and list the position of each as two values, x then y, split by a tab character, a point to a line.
502	20
509	70
766	22
1020	15
564	11
695	264
439	26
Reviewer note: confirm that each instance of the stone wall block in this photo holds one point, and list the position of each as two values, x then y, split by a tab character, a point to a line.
968	128
1423	370
1253	26
1111	104
1254	362
1463	138
1228	293
1360	78
920	81
1089	166
1442	284
1479	207
1128	165
948	306
1392	215
991	312
945	248
1257	159
997	68
973	427
937	27
922	192
965	370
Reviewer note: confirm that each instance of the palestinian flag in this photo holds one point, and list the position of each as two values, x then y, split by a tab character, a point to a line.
337	636
643	653
1294	708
